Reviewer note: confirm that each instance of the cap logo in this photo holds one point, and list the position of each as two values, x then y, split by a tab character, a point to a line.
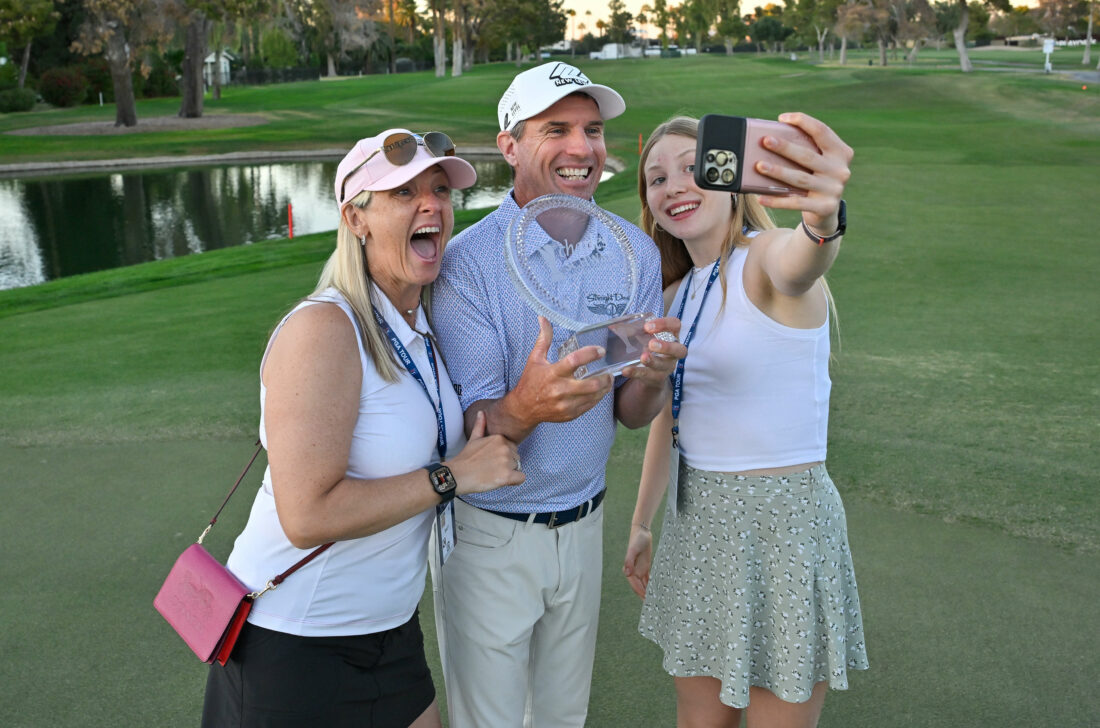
564	74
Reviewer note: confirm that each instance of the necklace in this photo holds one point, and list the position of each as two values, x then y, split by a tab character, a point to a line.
695	289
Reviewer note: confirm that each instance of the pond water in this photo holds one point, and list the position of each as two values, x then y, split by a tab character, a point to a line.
54	226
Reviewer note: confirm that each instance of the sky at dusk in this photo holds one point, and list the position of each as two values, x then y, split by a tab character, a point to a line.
599	10
599	7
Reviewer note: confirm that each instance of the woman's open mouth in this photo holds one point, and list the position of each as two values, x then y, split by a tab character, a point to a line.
425	242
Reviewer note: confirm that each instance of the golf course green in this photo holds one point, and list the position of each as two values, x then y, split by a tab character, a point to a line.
963	432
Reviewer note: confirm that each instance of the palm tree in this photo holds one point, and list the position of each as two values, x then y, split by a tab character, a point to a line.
407	18
439	36
573	32
1087	58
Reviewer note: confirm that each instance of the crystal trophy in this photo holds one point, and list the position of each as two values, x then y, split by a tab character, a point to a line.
574	264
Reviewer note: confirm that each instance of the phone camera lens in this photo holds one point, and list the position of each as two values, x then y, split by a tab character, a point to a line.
721	158
727	176
712	174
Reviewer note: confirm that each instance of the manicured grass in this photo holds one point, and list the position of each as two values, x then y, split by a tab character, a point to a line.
982	58
330	114
962	434
965	626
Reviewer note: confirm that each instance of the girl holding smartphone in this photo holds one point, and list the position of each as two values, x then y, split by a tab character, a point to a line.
752	595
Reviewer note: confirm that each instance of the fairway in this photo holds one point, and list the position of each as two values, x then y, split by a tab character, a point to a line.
962	433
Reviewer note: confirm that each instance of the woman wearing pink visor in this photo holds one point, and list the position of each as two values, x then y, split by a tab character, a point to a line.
365	445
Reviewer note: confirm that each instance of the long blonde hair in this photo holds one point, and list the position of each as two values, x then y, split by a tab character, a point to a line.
346	270
748	216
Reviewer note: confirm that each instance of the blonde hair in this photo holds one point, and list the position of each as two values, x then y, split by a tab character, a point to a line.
347	271
748	215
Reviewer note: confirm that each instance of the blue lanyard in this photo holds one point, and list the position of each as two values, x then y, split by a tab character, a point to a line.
678	376
406	359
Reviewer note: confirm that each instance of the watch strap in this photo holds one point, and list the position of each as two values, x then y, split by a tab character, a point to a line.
842	226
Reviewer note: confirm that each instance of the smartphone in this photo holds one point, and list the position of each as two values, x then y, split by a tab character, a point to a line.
623	339
729	147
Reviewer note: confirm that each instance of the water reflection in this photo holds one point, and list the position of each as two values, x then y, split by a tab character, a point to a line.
20	264
52	227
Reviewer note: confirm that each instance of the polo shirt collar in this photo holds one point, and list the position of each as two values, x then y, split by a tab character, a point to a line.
584	247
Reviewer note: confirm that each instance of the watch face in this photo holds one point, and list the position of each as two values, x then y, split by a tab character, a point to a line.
441	478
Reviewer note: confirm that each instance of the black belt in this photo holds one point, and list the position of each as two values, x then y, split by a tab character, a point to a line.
557	518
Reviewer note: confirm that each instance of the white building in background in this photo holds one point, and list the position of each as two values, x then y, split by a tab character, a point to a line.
208	68
614	51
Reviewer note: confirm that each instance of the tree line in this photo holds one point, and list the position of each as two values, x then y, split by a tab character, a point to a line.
891	25
161	45
136	37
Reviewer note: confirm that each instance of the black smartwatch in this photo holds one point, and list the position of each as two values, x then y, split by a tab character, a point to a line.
841	226
443	482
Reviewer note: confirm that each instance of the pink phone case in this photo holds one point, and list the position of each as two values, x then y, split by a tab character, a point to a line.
729	148
755	131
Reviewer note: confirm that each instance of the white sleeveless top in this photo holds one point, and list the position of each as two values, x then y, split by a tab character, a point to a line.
756	392
368	584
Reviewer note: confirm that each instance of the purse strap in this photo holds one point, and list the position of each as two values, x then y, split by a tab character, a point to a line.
281	577
259	446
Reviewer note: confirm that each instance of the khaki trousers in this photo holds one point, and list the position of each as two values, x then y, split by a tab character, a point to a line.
517	607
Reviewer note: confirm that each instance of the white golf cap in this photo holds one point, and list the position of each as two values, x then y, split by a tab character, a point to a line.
539	88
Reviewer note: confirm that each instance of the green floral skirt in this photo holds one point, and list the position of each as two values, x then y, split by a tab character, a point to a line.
753	584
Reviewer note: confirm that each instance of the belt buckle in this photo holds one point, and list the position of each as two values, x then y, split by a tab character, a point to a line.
580	512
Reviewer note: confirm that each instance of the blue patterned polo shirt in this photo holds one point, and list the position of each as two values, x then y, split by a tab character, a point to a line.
486	331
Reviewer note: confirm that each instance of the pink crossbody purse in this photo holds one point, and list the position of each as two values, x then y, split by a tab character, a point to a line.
204	602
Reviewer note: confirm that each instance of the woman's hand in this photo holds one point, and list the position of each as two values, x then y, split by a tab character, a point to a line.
639	557
824	182
487	462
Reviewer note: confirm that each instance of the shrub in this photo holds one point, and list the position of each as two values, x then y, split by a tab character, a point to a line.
17	99
278	49
98	72
983	38
9	76
63	86
161	80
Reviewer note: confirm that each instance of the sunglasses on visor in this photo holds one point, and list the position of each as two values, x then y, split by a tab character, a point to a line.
400	149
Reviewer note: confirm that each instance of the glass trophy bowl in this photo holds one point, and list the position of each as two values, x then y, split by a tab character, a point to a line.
575	265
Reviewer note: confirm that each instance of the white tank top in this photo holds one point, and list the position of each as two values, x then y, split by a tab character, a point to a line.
756	392
368	584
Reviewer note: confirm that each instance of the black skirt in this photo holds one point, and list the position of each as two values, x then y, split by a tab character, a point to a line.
277	680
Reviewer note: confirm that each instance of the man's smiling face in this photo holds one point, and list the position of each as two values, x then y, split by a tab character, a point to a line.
561	150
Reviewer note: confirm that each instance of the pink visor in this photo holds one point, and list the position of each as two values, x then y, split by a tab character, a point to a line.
395	156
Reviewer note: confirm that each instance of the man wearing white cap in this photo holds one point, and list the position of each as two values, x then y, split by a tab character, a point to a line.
518	601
